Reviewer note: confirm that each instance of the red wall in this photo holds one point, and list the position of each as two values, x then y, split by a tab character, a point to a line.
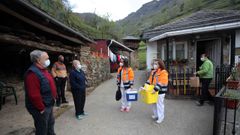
101	45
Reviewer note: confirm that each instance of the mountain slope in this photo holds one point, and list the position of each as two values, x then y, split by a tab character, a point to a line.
61	10
106	28
158	12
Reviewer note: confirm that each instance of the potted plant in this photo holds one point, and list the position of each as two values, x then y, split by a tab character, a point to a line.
233	83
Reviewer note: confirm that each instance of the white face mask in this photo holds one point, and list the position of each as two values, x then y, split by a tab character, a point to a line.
79	67
202	59
155	66
46	63
121	64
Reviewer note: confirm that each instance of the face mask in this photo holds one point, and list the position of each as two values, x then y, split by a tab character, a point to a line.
155	66
79	67
61	61
46	63
202	59
121	64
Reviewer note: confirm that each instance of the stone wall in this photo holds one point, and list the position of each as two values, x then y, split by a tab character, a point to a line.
133	58
96	68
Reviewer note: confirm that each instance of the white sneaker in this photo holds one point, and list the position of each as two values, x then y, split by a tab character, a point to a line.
159	121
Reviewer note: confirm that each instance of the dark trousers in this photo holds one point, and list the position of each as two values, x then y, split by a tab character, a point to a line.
205	94
60	84
44	123
79	97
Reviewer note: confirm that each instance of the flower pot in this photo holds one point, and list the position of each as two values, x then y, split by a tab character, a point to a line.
232	85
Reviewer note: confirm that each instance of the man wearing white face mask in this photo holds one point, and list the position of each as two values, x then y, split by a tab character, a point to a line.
40	93
206	74
78	87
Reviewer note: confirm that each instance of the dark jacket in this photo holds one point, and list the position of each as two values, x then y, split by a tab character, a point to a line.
77	80
45	89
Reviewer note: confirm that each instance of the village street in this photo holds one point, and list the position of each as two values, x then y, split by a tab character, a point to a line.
197	42
182	117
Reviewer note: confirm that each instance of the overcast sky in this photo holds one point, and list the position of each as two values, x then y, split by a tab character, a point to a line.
116	9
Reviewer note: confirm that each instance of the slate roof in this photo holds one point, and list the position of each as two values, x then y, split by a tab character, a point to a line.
130	38
196	20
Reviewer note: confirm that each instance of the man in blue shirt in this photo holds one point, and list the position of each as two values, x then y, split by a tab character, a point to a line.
78	87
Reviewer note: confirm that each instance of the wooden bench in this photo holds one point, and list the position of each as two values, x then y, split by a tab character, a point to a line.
6	91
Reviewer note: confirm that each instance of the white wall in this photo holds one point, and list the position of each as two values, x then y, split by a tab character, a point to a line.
237	38
151	53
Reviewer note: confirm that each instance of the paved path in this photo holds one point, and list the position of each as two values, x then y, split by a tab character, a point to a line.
182	117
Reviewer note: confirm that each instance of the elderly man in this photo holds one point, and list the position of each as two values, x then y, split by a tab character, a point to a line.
78	87
40	93
59	73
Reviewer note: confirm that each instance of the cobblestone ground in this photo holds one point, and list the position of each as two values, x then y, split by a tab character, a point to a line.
182	117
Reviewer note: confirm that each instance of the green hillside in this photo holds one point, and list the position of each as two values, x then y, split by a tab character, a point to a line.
61	10
158	12
154	13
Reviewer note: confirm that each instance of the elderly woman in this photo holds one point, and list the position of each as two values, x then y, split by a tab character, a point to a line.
40	93
78	87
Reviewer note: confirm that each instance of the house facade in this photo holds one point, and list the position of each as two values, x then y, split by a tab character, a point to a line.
215	33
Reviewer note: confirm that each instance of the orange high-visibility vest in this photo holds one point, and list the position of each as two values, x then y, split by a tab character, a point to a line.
127	76
159	80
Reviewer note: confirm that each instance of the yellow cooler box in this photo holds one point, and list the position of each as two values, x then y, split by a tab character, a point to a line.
147	96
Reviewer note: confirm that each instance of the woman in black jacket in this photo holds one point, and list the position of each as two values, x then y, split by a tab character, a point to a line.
78	87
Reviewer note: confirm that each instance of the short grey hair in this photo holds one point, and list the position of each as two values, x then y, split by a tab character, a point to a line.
76	62
35	55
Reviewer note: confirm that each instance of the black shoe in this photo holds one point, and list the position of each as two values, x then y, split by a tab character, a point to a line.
64	101
198	103
210	102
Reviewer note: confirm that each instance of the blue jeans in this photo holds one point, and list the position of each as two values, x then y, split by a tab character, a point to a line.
44	123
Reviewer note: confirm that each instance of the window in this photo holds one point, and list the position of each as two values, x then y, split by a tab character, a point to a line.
177	51
180	51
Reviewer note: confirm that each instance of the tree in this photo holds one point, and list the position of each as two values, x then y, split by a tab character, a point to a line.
182	7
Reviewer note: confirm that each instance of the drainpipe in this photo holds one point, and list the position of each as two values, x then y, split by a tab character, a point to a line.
221	44
167	45
233	42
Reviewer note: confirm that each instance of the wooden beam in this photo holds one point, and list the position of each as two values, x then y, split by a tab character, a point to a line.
39	26
32	44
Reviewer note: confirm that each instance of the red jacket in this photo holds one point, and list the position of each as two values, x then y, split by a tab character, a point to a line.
33	88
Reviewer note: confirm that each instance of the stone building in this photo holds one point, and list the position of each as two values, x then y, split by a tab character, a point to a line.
24	27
